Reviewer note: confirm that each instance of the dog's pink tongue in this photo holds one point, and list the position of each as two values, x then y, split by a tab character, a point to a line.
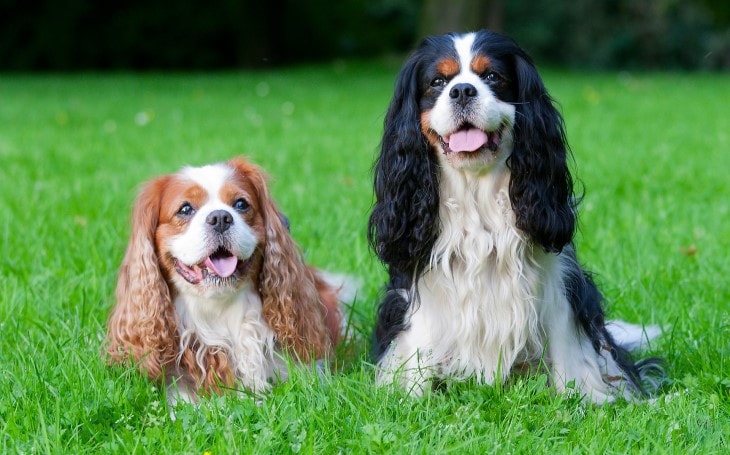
222	266
467	140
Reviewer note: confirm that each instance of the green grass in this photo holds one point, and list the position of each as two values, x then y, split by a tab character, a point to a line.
651	151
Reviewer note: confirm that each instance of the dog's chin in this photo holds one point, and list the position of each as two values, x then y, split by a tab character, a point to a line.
221	271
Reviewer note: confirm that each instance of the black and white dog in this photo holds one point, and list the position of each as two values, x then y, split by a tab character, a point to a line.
474	219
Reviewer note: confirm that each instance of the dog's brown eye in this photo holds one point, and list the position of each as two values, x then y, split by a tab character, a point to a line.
492	76
438	82
185	209
241	205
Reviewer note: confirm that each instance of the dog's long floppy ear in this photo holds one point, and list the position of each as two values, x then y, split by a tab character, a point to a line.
291	303
541	187
403	225
141	327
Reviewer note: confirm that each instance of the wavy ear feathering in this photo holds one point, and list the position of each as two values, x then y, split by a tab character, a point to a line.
403	225
541	187
291	302
142	325
404	222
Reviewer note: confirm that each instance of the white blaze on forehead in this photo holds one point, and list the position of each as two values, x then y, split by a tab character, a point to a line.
463	45
211	178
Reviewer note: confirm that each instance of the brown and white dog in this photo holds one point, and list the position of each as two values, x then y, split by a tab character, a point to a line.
213	289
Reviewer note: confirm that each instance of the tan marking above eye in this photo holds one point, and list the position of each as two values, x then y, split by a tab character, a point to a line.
480	64
232	192
448	67
178	192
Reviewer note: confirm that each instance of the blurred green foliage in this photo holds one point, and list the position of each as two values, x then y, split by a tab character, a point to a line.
163	34
648	34
192	34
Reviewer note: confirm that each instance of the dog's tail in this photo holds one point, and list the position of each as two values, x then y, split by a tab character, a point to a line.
345	289
634	337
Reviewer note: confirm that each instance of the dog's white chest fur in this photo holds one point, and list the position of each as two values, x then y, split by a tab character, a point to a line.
235	325
491	301
476	311
478	295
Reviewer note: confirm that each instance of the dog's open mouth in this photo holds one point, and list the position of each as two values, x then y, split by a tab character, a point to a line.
220	265
468	139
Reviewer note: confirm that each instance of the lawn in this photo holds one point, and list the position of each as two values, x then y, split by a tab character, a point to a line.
651	152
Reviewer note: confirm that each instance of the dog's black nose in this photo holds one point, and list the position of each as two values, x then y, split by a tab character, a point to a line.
220	220
463	93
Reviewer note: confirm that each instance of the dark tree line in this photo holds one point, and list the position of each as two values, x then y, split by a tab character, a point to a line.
194	34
